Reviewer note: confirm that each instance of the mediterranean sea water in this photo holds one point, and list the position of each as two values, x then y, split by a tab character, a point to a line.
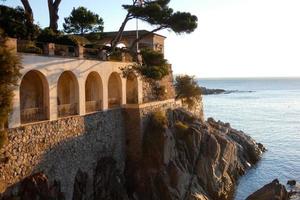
271	115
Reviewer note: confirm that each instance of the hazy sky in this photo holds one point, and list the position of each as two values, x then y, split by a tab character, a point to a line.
235	38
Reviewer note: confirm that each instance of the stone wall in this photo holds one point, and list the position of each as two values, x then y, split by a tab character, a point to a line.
59	148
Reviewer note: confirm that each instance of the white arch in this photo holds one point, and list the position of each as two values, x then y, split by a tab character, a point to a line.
93	92
114	90
34	97
67	94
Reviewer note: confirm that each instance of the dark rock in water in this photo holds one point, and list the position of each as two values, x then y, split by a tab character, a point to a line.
109	182
206	91
191	159
291	182
273	190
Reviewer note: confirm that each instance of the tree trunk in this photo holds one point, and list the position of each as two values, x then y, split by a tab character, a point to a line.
28	11
118	37
53	14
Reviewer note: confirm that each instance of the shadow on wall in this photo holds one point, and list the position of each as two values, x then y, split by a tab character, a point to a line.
60	148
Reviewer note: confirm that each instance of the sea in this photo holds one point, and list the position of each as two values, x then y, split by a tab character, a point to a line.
267	109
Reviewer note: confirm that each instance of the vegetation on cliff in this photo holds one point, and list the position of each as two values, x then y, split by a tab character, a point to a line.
188	90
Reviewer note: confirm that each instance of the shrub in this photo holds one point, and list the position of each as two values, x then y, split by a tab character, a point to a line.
32	49
116	56
158	121
47	35
187	89
154	65
3	138
159	91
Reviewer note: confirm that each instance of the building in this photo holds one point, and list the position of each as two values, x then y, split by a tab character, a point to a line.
63	81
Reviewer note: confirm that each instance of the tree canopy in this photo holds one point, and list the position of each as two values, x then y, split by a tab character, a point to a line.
14	22
158	14
83	21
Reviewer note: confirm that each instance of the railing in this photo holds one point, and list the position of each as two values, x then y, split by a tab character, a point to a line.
33	115
27	46
67	110
92	106
64	50
114	102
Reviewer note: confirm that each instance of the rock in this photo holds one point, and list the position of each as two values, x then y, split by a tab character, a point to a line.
273	190
291	182
191	160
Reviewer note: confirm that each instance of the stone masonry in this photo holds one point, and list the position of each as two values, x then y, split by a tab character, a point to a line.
59	148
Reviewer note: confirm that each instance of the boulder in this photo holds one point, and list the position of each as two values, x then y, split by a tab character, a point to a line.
271	191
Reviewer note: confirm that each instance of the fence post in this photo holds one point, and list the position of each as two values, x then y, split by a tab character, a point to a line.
49	49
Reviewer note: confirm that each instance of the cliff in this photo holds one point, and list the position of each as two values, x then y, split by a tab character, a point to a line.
186	158
182	157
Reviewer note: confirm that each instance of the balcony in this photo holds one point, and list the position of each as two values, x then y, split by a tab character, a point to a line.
29	115
93	106
65	110
114	102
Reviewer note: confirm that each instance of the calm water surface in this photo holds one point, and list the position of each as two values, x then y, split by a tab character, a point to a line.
271	115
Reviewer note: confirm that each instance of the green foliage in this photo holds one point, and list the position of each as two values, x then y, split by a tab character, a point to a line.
187	89
3	138
13	22
47	35
116	55
158	13
32	49
158	121
9	75
154	65
83	21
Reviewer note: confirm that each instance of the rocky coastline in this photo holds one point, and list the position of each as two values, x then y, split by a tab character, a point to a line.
208	91
186	158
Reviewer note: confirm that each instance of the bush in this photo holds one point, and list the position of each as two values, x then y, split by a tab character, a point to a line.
47	35
116	56
154	65
3	138
32	49
158	121
187	89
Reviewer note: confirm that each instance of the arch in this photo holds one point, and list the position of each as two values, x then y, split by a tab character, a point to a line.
131	89
67	94
93	93
114	90
34	97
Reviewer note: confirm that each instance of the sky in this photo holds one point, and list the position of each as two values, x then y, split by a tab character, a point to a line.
234	38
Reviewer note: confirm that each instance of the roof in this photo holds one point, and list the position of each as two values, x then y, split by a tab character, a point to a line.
130	33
